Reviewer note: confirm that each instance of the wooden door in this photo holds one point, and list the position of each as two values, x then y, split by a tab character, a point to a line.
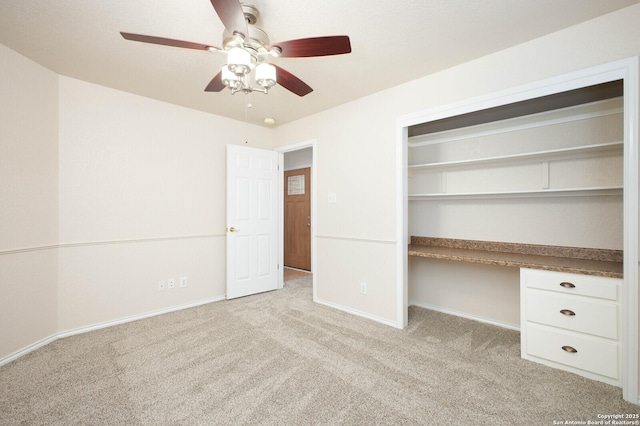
252	221
297	219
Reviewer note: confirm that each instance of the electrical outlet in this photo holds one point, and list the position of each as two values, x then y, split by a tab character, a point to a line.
183	282
363	288
160	285
171	283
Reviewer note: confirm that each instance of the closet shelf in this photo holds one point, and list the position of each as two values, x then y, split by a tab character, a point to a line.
539	193
609	146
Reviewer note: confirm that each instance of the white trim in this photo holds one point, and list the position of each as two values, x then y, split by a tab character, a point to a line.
595	150
29	249
464	315
402	227
108	242
311	143
314	193
530	193
356	312
297	269
81	330
280	220
140	240
137	317
355	239
575	80
28	349
629	300
627	70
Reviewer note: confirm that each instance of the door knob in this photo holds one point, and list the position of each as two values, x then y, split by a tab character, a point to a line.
232	229
307	224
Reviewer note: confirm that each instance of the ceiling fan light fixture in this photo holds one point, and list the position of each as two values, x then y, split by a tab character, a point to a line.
266	75
248	46
239	61
229	78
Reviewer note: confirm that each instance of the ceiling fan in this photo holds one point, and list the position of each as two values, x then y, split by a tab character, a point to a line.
248	48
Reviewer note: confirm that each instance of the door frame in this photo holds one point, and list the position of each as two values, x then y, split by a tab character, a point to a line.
281	151
627	70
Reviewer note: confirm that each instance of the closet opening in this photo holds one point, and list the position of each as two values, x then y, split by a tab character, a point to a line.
551	163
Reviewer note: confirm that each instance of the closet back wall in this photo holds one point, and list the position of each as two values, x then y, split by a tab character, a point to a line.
553	178
566	150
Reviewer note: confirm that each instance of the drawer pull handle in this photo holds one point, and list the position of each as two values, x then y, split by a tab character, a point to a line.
570	349
567	312
567	285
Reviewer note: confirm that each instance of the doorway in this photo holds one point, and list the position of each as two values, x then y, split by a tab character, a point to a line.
295	157
297	219
297	213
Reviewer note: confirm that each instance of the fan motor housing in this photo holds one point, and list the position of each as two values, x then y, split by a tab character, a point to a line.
251	13
256	41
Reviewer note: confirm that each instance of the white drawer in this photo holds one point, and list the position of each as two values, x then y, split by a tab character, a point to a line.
592	316
593	355
583	285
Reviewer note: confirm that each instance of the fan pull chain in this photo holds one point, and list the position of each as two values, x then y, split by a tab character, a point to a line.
246	112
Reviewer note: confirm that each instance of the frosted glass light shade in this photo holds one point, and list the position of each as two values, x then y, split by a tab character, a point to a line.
239	61
266	75
229	79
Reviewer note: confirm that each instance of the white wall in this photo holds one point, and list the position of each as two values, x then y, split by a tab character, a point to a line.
356	149
142	199
299	159
28	202
103	194
355	237
484	292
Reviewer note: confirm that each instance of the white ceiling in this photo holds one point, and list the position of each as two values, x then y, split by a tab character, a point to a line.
392	42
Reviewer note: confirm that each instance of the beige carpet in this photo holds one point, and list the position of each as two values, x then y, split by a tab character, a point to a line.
279	359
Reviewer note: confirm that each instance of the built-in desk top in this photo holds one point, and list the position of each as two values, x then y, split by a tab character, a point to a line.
600	262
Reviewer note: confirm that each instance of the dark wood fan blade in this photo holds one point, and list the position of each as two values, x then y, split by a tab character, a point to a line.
291	82
216	84
231	14
166	41
314	46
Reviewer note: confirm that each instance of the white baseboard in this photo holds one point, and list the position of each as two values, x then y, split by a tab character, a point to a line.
63	334
464	315
137	317
24	351
356	312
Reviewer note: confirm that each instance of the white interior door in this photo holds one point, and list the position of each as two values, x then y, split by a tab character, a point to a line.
252	221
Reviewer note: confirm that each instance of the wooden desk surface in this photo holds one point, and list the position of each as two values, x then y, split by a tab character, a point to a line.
599	262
